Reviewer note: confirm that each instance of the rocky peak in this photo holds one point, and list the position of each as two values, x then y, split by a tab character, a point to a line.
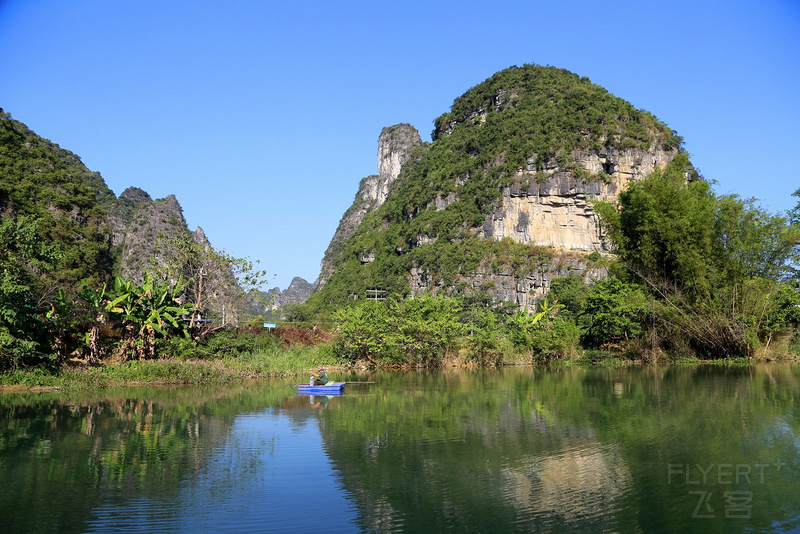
394	148
135	195
137	227
395	145
298	292
199	236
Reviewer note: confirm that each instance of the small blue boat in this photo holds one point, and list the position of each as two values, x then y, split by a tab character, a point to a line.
330	387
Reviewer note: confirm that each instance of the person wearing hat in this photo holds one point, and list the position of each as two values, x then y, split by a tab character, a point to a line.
318	377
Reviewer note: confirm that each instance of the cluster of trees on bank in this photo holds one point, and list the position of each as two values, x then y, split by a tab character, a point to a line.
696	274
92	323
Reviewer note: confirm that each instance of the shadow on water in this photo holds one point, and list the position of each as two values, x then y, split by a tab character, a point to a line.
691	449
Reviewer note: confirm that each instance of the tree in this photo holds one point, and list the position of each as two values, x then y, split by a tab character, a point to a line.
411	331
94	301
546	334
364	332
713	265
145	311
60	323
217	284
23	257
616	310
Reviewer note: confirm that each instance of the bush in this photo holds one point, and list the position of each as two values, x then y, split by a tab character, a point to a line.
558	338
486	341
290	335
413	331
617	310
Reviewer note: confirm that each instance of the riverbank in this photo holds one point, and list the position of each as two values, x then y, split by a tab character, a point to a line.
293	362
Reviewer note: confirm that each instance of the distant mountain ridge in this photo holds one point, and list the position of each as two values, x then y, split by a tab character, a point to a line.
298	291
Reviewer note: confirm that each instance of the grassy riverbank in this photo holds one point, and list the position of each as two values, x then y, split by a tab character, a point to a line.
292	362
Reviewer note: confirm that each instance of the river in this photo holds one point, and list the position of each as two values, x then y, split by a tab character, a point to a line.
521	449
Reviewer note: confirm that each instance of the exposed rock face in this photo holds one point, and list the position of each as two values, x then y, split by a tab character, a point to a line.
557	211
395	145
525	291
145	234
136	227
394	148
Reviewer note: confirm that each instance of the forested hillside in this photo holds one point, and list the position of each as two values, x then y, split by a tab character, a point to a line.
40	181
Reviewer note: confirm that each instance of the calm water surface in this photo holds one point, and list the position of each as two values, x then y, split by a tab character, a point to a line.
677	449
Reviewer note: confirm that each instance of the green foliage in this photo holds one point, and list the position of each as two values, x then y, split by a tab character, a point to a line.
555	339
425	327
616	309
570	292
41	180
715	267
444	264
522	327
365	332
59	323
412	331
223	343
486	340
146	311
212	277
23	259
545	335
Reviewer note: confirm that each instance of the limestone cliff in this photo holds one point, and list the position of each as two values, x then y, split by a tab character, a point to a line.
553	207
395	145
152	236
136	227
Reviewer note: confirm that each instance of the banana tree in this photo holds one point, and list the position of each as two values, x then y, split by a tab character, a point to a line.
60	325
146	311
95	301
522	325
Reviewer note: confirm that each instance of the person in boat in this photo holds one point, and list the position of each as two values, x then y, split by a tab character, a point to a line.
318	377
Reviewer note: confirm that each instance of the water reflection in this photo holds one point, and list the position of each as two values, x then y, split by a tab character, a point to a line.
518	449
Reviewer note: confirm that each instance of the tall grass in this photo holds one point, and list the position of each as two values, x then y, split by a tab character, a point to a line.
264	362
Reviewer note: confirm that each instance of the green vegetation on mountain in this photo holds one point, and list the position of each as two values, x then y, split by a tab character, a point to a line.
529	117
44	182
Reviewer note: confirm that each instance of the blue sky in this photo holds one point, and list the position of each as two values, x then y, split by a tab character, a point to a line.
262	117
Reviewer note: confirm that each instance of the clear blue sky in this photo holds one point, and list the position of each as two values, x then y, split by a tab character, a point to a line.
262	117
